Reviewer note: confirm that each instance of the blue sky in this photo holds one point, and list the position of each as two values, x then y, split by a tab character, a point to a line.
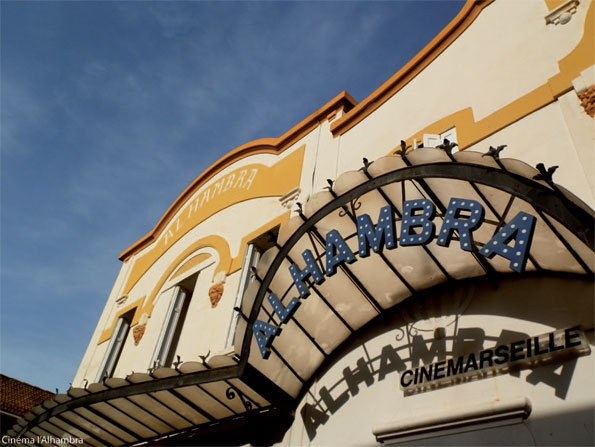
109	110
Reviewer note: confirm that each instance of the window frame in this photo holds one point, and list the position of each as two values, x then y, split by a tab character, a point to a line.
251	258
115	347
175	316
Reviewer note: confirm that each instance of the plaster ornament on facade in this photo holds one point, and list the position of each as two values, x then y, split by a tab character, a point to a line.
587	98
215	294
199	204
138	331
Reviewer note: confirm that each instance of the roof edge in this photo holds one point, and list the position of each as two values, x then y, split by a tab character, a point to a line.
431	51
260	146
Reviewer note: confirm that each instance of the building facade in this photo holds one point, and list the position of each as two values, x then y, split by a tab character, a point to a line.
390	271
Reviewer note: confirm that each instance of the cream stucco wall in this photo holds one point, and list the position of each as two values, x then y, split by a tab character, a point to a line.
507	52
206	328
544	137
473	316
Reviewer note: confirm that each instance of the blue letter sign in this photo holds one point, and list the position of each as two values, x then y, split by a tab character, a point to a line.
463	217
311	269
421	221
377	236
337	252
284	313
464	227
520	229
265	333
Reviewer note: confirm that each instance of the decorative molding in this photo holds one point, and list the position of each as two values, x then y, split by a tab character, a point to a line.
227	265
275	146
576	71
562	14
245	183
587	98
137	332
215	294
289	199
120	301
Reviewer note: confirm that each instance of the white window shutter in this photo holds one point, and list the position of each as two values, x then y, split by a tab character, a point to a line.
251	257
115	346
169	326
431	140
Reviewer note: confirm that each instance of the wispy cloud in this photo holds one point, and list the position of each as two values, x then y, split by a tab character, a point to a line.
109	110
21	111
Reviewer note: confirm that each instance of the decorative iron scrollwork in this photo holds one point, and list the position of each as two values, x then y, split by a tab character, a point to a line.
400	334
354	205
447	146
231	394
330	185
412	330
366	165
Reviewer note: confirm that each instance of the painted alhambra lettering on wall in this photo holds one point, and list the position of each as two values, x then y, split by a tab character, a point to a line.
240	179
462	218
245	183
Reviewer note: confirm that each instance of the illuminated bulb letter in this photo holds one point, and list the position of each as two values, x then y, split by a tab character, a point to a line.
422	221
377	236
284	313
520	230
337	252
462	216
299	276
265	334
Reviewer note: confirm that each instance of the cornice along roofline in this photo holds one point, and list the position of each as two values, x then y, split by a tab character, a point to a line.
400	79
261	146
355	113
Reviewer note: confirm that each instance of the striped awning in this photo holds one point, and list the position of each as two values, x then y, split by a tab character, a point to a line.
146	407
195	396
363	288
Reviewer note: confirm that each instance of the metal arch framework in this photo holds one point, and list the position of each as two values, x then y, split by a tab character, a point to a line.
545	200
255	379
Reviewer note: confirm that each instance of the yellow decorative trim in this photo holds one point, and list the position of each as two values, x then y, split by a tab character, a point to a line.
191	263
106	334
343	101
469	131
554	4
249	182
236	262
582	57
215	242
226	265
400	79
